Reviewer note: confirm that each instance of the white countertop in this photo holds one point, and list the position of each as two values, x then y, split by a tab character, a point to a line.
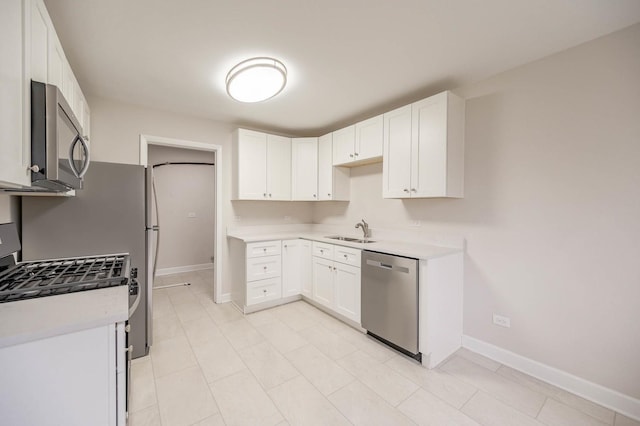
400	248
42	317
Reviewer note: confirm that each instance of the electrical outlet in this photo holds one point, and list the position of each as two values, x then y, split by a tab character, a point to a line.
502	321
287	218
414	223
191	214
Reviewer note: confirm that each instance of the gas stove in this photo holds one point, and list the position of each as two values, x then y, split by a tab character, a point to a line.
51	277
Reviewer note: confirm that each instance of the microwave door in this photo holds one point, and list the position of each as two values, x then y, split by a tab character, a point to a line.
73	156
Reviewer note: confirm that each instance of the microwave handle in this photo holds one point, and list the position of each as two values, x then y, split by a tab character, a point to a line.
79	174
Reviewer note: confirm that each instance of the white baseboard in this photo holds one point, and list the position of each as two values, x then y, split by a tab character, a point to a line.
606	397
179	269
224	298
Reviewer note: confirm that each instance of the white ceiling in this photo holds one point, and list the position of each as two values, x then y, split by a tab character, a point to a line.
347	59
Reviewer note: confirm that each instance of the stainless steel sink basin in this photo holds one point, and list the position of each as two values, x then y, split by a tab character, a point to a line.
349	239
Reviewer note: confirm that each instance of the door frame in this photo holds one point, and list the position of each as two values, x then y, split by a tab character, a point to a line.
145	141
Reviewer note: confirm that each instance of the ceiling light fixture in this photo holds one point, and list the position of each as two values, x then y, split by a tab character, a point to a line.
256	79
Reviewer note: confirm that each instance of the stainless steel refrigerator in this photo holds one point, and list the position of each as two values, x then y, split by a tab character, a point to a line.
108	216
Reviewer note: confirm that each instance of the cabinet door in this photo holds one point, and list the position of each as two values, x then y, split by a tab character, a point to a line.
323	281
343	145
306	268
56	63
291	268
304	153
429	147
15	146
278	168
251	166
347	291
369	139
325	167
396	166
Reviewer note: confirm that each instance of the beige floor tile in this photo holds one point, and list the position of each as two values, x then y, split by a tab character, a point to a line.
488	411
184	398
261	318
328	342
241	333
242	401
387	383
323	372
481	360
150	416
189	311
594	410
166	328
555	413
621	420
332	324
143	385
171	355
215	420
424	408
302	404
364	407
283	338
162	307
294	317
221	313
268	365
217	358
507	391
440	383
368	345
181	294
201	330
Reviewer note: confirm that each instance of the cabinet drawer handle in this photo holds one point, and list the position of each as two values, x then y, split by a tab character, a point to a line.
413	190
314	195
329	195
264	291
405	190
264	249
351	155
345	256
334	268
264	194
265	268
356	154
321	251
269	195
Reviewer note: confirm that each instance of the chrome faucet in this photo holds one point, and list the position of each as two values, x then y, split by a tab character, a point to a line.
365	228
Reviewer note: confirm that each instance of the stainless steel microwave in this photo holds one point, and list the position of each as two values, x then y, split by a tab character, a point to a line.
59	151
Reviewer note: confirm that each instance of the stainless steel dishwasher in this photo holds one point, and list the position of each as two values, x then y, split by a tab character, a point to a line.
390	300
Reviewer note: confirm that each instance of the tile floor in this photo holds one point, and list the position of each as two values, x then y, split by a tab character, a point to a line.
210	365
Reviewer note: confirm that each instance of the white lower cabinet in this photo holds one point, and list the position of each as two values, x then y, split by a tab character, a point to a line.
291	267
336	279
72	379
306	268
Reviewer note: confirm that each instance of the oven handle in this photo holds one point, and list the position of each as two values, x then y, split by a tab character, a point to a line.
129	351
134	289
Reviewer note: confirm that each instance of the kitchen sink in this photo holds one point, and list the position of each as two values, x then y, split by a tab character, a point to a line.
349	239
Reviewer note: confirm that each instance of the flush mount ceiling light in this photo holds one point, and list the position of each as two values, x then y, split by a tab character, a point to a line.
256	79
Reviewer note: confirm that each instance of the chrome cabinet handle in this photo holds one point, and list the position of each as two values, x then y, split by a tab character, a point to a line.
356	154
265	268
329	195
405	190
345	256
351	155
264	194
413	190
314	195
269	195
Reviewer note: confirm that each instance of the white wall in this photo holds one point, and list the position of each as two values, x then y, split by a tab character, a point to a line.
9	209
115	132
551	210
183	189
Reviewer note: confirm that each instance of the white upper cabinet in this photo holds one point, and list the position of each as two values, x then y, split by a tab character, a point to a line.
333	182
358	144
304	164
278	168
15	144
262	166
424	149
368	143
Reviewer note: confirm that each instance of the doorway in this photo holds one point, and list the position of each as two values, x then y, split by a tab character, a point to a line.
187	193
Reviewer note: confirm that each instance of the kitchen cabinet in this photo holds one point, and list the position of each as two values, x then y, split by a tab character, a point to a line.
292	267
336	279
262	166
306	268
15	142
424	149
333	182
304	165
82	376
359	144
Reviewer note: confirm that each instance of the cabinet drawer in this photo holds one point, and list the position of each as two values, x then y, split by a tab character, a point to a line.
347	255
323	250
263	291
264	248
260	268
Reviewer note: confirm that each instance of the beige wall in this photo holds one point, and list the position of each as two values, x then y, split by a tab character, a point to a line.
551	210
181	190
115	132
9	209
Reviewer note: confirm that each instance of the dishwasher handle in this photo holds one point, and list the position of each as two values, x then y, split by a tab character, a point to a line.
388	267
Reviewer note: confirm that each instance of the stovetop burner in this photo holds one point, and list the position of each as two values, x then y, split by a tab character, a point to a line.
59	276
